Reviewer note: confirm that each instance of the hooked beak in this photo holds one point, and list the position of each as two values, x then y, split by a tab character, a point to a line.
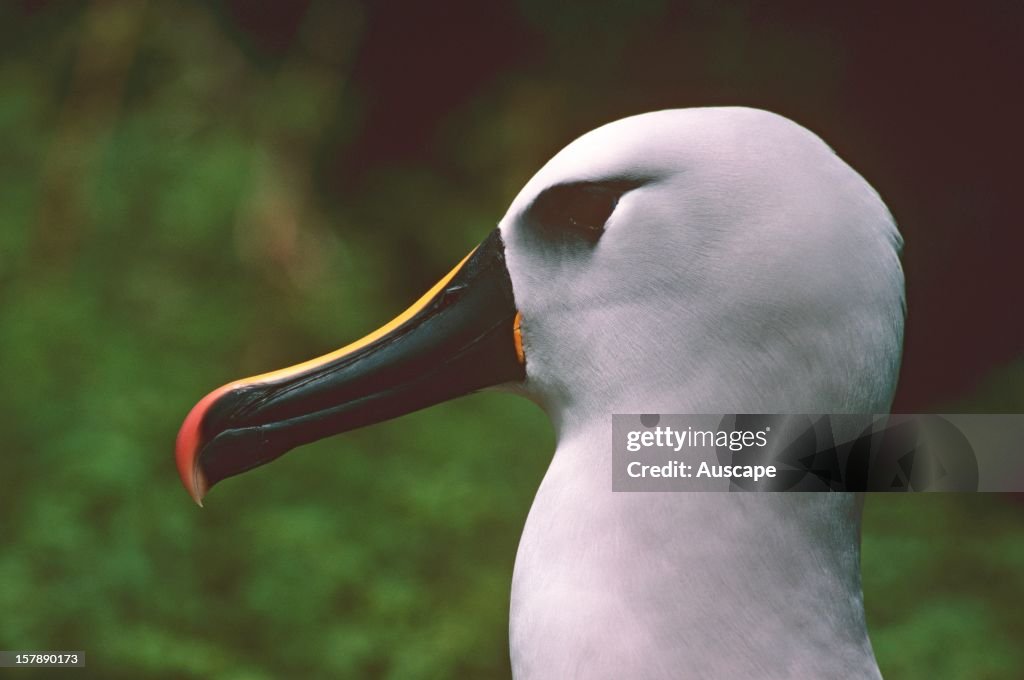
461	336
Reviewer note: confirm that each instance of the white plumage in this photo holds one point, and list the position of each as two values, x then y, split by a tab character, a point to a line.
750	271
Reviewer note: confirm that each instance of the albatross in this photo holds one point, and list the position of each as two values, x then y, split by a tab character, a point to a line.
706	260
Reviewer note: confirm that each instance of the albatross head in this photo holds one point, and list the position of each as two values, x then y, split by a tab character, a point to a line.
704	260
717	259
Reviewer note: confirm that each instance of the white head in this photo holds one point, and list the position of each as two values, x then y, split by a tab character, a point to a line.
689	261
744	268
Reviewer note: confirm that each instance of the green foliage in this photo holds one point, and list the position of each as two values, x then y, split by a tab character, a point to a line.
165	227
942	574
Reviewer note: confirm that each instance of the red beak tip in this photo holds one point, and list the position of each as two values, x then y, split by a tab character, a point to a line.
187	447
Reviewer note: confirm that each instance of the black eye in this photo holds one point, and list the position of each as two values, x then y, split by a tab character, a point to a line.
577	210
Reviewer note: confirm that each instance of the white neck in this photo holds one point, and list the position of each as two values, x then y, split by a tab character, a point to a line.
669	585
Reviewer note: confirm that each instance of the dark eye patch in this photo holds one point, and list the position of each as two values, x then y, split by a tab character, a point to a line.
578	209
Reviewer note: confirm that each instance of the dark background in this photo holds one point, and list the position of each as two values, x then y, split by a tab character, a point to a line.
194	192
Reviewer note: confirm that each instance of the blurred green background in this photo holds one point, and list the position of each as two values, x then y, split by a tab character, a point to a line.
194	192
